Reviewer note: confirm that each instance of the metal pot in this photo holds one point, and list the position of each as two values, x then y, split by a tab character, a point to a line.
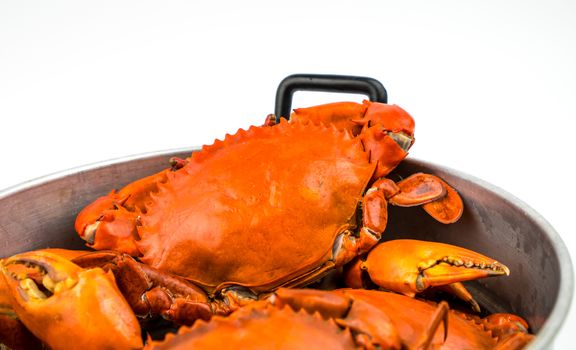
41	213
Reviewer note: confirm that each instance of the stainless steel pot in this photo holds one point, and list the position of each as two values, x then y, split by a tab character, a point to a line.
41	213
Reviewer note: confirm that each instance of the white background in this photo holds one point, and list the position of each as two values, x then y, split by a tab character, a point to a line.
491	84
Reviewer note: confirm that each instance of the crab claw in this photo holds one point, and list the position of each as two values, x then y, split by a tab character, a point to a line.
411	266
151	292
437	198
63	304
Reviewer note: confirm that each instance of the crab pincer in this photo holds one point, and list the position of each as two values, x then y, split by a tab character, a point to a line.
63	304
412	266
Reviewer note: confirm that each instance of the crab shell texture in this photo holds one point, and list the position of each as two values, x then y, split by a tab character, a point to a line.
266	207
260	328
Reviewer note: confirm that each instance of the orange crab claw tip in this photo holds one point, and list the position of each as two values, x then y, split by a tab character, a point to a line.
454	264
445	273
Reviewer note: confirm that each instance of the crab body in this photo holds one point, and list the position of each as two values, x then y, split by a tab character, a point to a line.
271	215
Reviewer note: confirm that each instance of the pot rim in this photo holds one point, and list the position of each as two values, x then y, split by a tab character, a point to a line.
551	326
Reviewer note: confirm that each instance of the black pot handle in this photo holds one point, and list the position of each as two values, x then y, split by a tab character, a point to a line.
328	83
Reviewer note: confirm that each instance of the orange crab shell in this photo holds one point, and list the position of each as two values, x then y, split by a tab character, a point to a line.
265	328
464	331
272	214
352	116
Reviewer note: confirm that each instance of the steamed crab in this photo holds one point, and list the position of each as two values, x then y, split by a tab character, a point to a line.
350	319
281	205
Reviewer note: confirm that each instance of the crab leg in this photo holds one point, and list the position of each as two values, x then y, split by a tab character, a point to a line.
417	189
439	317
91	312
374	219
151	292
376	199
410	266
458	290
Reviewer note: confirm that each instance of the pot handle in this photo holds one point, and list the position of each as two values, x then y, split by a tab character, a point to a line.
328	83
